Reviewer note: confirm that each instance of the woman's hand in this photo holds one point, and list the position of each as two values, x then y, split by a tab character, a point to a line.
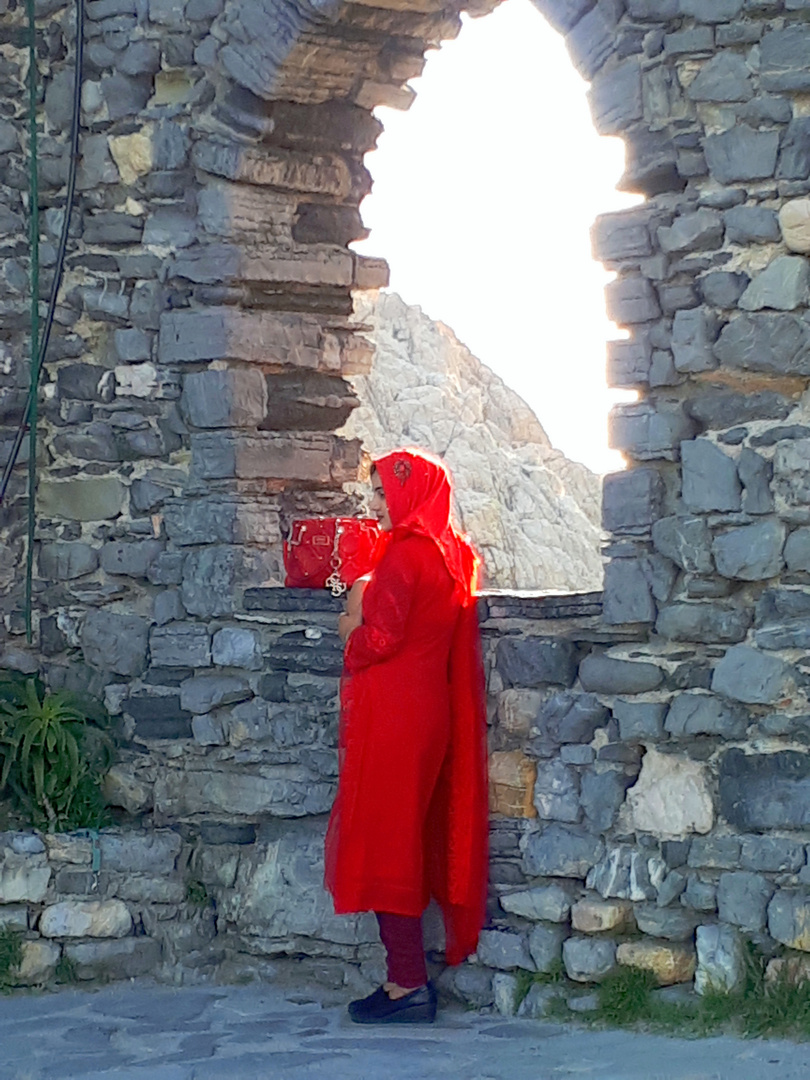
353	616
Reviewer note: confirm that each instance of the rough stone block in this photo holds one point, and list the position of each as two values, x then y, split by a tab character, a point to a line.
672	796
529	662
235	647
670	962
623	234
704	714
88	498
599	916
66	560
22	877
695	39
14	917
631	300
549	903
704	621
720	11
86	918
783	285
130	558
604	674
700	895
701	230
140	853
601	794
726	77
180	645
797	549
588	959
710	480
115	642
765	791
646	432
203	693
751	552
39	960
742	899
778	344
628	362
672	924
631	499
794	157
755	475
511	783
789	919
741	154
783	59
281	791
627	597
504	950
794	221
746	674
693	336
556	792
640	719
560	851
615	98
158	717
624	873
721	960
723	288
772	854
233	398
126	958
686	541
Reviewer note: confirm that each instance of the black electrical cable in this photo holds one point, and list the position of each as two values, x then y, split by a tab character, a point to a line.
60	256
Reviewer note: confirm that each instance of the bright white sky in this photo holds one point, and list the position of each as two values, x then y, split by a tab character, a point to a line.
484	193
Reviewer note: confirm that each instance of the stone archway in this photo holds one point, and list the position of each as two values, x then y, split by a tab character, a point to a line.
196	383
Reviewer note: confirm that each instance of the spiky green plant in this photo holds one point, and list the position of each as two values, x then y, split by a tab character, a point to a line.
54	751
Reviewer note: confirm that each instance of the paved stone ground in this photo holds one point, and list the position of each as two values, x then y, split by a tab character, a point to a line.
143	1032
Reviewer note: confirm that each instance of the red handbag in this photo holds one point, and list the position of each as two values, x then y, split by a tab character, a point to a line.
332	553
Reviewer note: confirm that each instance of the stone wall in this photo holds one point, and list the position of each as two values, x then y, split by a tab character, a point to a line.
196	382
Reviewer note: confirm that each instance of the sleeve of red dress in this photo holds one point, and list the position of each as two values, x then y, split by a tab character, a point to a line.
386	607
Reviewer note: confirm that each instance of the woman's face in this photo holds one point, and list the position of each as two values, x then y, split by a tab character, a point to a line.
378	506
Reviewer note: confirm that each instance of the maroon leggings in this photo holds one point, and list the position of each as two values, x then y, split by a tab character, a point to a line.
402	937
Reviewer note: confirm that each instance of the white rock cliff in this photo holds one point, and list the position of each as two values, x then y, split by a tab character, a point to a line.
533	513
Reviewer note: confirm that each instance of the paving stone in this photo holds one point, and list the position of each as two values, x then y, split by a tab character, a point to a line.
783	285
604	674
789	918
710	480
588	959
115	642
705	714
86	918
748	675
742	898
549	903
721	960
560	851
765	791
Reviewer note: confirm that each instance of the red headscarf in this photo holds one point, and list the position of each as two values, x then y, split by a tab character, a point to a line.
419	495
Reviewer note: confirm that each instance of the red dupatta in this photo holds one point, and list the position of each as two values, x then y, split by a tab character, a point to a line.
418	492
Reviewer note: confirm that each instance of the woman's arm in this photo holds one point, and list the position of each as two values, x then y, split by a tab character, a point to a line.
352	617
386	607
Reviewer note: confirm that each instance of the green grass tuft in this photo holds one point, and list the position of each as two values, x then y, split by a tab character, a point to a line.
10	956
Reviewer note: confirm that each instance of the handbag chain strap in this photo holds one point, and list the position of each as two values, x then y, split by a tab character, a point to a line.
333	582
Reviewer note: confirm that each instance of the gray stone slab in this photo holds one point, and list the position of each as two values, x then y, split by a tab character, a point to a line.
746	674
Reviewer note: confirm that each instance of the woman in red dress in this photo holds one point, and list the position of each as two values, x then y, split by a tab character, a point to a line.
410	817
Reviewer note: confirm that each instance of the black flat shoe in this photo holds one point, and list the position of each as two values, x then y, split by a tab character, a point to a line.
418	1007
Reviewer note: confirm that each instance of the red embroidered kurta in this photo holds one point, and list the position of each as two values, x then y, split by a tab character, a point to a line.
410	817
